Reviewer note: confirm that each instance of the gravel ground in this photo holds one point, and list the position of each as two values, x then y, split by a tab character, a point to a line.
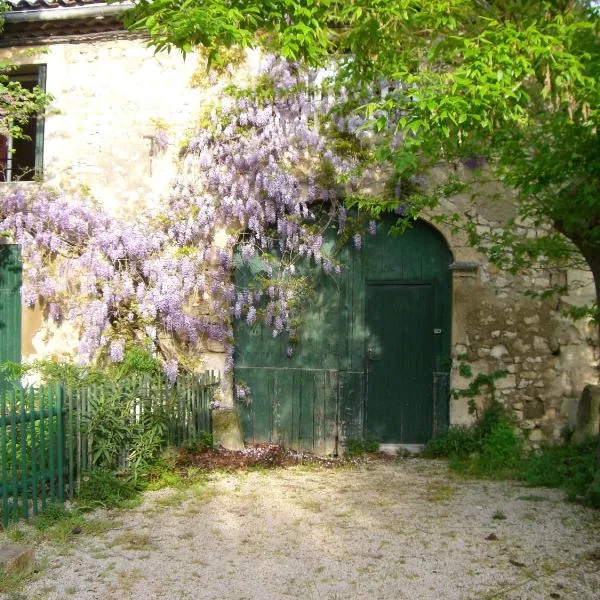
383	530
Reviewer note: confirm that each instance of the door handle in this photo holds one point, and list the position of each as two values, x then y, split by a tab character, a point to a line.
370	353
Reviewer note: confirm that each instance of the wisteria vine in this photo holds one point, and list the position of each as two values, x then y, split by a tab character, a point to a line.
257	185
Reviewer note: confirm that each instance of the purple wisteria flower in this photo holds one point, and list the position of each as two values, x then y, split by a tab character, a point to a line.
167	274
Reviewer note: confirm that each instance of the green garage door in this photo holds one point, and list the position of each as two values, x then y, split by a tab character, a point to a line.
373	356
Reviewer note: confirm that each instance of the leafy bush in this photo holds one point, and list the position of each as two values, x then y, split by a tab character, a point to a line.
103	488
571	467
456	441
494	415
501	451
201	442
491	448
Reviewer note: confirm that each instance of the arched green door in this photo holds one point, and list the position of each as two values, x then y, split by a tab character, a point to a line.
407	286
373	355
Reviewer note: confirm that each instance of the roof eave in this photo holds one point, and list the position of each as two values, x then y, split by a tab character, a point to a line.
64	14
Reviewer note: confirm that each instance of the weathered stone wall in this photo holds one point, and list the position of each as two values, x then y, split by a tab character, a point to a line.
112	97
497	325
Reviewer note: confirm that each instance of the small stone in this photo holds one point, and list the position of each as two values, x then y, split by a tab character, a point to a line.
516	563
536	435
16	559
76	530
498	351
492	537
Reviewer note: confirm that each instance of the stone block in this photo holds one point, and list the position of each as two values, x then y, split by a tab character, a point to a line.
227	428
510	381
498	351
539	343
536	435
588	413
15	558
534	408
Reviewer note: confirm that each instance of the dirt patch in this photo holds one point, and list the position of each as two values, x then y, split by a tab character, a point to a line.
376	529
266	456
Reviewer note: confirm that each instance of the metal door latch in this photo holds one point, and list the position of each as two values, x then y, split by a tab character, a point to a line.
437	331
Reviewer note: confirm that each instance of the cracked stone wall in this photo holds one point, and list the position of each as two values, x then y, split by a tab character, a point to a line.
112	97
498	325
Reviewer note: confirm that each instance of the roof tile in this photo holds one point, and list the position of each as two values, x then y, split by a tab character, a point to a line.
22	5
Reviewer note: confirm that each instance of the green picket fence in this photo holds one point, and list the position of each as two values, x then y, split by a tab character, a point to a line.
49	435
32	451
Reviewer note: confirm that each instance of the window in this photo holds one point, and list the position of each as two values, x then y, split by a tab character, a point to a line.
21	159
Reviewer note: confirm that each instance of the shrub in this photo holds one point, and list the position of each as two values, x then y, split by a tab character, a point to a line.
201	442
490	447
501	450
571	467
103	488
456	441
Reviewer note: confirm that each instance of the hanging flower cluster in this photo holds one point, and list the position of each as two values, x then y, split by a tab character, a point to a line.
257	187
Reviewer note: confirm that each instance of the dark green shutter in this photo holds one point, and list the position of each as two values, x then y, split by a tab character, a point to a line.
10	303
39	128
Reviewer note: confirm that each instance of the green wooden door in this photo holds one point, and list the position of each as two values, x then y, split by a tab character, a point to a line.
395	295
400	362
10	303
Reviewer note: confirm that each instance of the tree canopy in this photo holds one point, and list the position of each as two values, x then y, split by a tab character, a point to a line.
17	103
511	84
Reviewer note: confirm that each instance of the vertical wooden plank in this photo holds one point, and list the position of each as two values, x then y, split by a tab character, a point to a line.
13	455
33	454
89	397
10	302
51	444
60	443
70	443
24	454
39	127
328	440
4	454
43	453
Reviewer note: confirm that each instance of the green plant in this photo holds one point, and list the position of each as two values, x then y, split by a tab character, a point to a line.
490	447
103	488
499	515
482	384
501	450
201	442
570	467
456	441
357	447
120	421
50	516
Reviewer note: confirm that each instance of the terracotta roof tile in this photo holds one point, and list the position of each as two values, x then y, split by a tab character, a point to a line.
21	5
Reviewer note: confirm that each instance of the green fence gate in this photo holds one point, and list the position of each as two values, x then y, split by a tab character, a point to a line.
47	442
32	444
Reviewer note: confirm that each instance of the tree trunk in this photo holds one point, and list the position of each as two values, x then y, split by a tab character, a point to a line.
591	253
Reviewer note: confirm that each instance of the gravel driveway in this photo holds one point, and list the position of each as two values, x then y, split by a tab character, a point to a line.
389	530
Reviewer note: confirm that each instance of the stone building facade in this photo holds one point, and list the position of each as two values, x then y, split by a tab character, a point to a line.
113	95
